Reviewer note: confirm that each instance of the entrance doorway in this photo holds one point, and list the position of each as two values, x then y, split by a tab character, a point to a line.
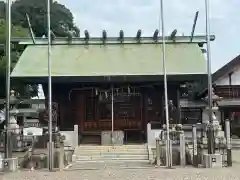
114	111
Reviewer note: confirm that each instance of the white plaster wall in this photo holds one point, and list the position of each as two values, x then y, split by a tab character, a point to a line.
151	135
205	115
69	138
225	79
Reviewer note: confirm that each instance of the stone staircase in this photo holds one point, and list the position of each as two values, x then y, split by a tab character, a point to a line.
97	157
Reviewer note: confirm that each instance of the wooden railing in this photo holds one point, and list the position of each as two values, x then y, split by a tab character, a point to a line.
228	91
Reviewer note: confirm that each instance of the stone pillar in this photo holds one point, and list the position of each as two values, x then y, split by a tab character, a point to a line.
76	135
149	133
182	150
168	153
228	139
60	151
194	140
158	159
52	155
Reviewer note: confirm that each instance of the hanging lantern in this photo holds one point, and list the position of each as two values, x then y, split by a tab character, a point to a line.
129	90
117	90
106	94
100	97
96	92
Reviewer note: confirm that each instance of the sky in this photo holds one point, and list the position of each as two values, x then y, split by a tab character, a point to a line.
131	15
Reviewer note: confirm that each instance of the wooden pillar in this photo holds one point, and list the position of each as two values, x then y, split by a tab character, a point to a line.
61	113
81	113
144	112
222	118
76	108
178	106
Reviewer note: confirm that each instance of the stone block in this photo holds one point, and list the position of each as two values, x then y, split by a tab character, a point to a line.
118	137
212	160
10	164
109	137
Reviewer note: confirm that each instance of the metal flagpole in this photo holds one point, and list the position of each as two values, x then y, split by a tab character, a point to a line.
8	70
112	114
211	148
50	159
168	159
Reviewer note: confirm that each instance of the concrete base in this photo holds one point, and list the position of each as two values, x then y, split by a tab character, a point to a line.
10	164
212	160
112	138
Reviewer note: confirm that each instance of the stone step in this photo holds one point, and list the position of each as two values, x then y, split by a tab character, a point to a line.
111	164
100	150
128	147
102	158
111	153
111	150
107	159
79	151
114	161
112	147
235	143
123	145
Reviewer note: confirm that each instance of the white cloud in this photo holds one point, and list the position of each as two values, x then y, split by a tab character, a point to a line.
131	15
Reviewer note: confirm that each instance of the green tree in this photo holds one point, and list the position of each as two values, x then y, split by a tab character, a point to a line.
61	17
17	31
19	86
2	9
61	24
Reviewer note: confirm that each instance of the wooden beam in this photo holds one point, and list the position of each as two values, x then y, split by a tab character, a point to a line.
111	40
25	111
194	25
24	101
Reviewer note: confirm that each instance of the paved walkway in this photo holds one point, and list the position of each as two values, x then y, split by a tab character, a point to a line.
131	174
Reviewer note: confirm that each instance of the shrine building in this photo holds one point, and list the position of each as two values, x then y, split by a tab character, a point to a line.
112	83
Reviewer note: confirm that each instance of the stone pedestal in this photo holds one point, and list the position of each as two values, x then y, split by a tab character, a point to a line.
9	165
60	158
50	158
212	160
112	138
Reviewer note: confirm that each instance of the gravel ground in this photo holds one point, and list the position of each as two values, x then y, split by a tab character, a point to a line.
113	172
133	174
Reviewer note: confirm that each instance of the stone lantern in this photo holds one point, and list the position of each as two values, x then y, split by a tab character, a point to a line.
13	126
215	110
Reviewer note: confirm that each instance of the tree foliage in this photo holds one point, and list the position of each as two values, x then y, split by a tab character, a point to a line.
61	24
17	31
2	9
61	17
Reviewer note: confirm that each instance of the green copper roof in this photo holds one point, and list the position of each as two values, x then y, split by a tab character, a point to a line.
110	60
